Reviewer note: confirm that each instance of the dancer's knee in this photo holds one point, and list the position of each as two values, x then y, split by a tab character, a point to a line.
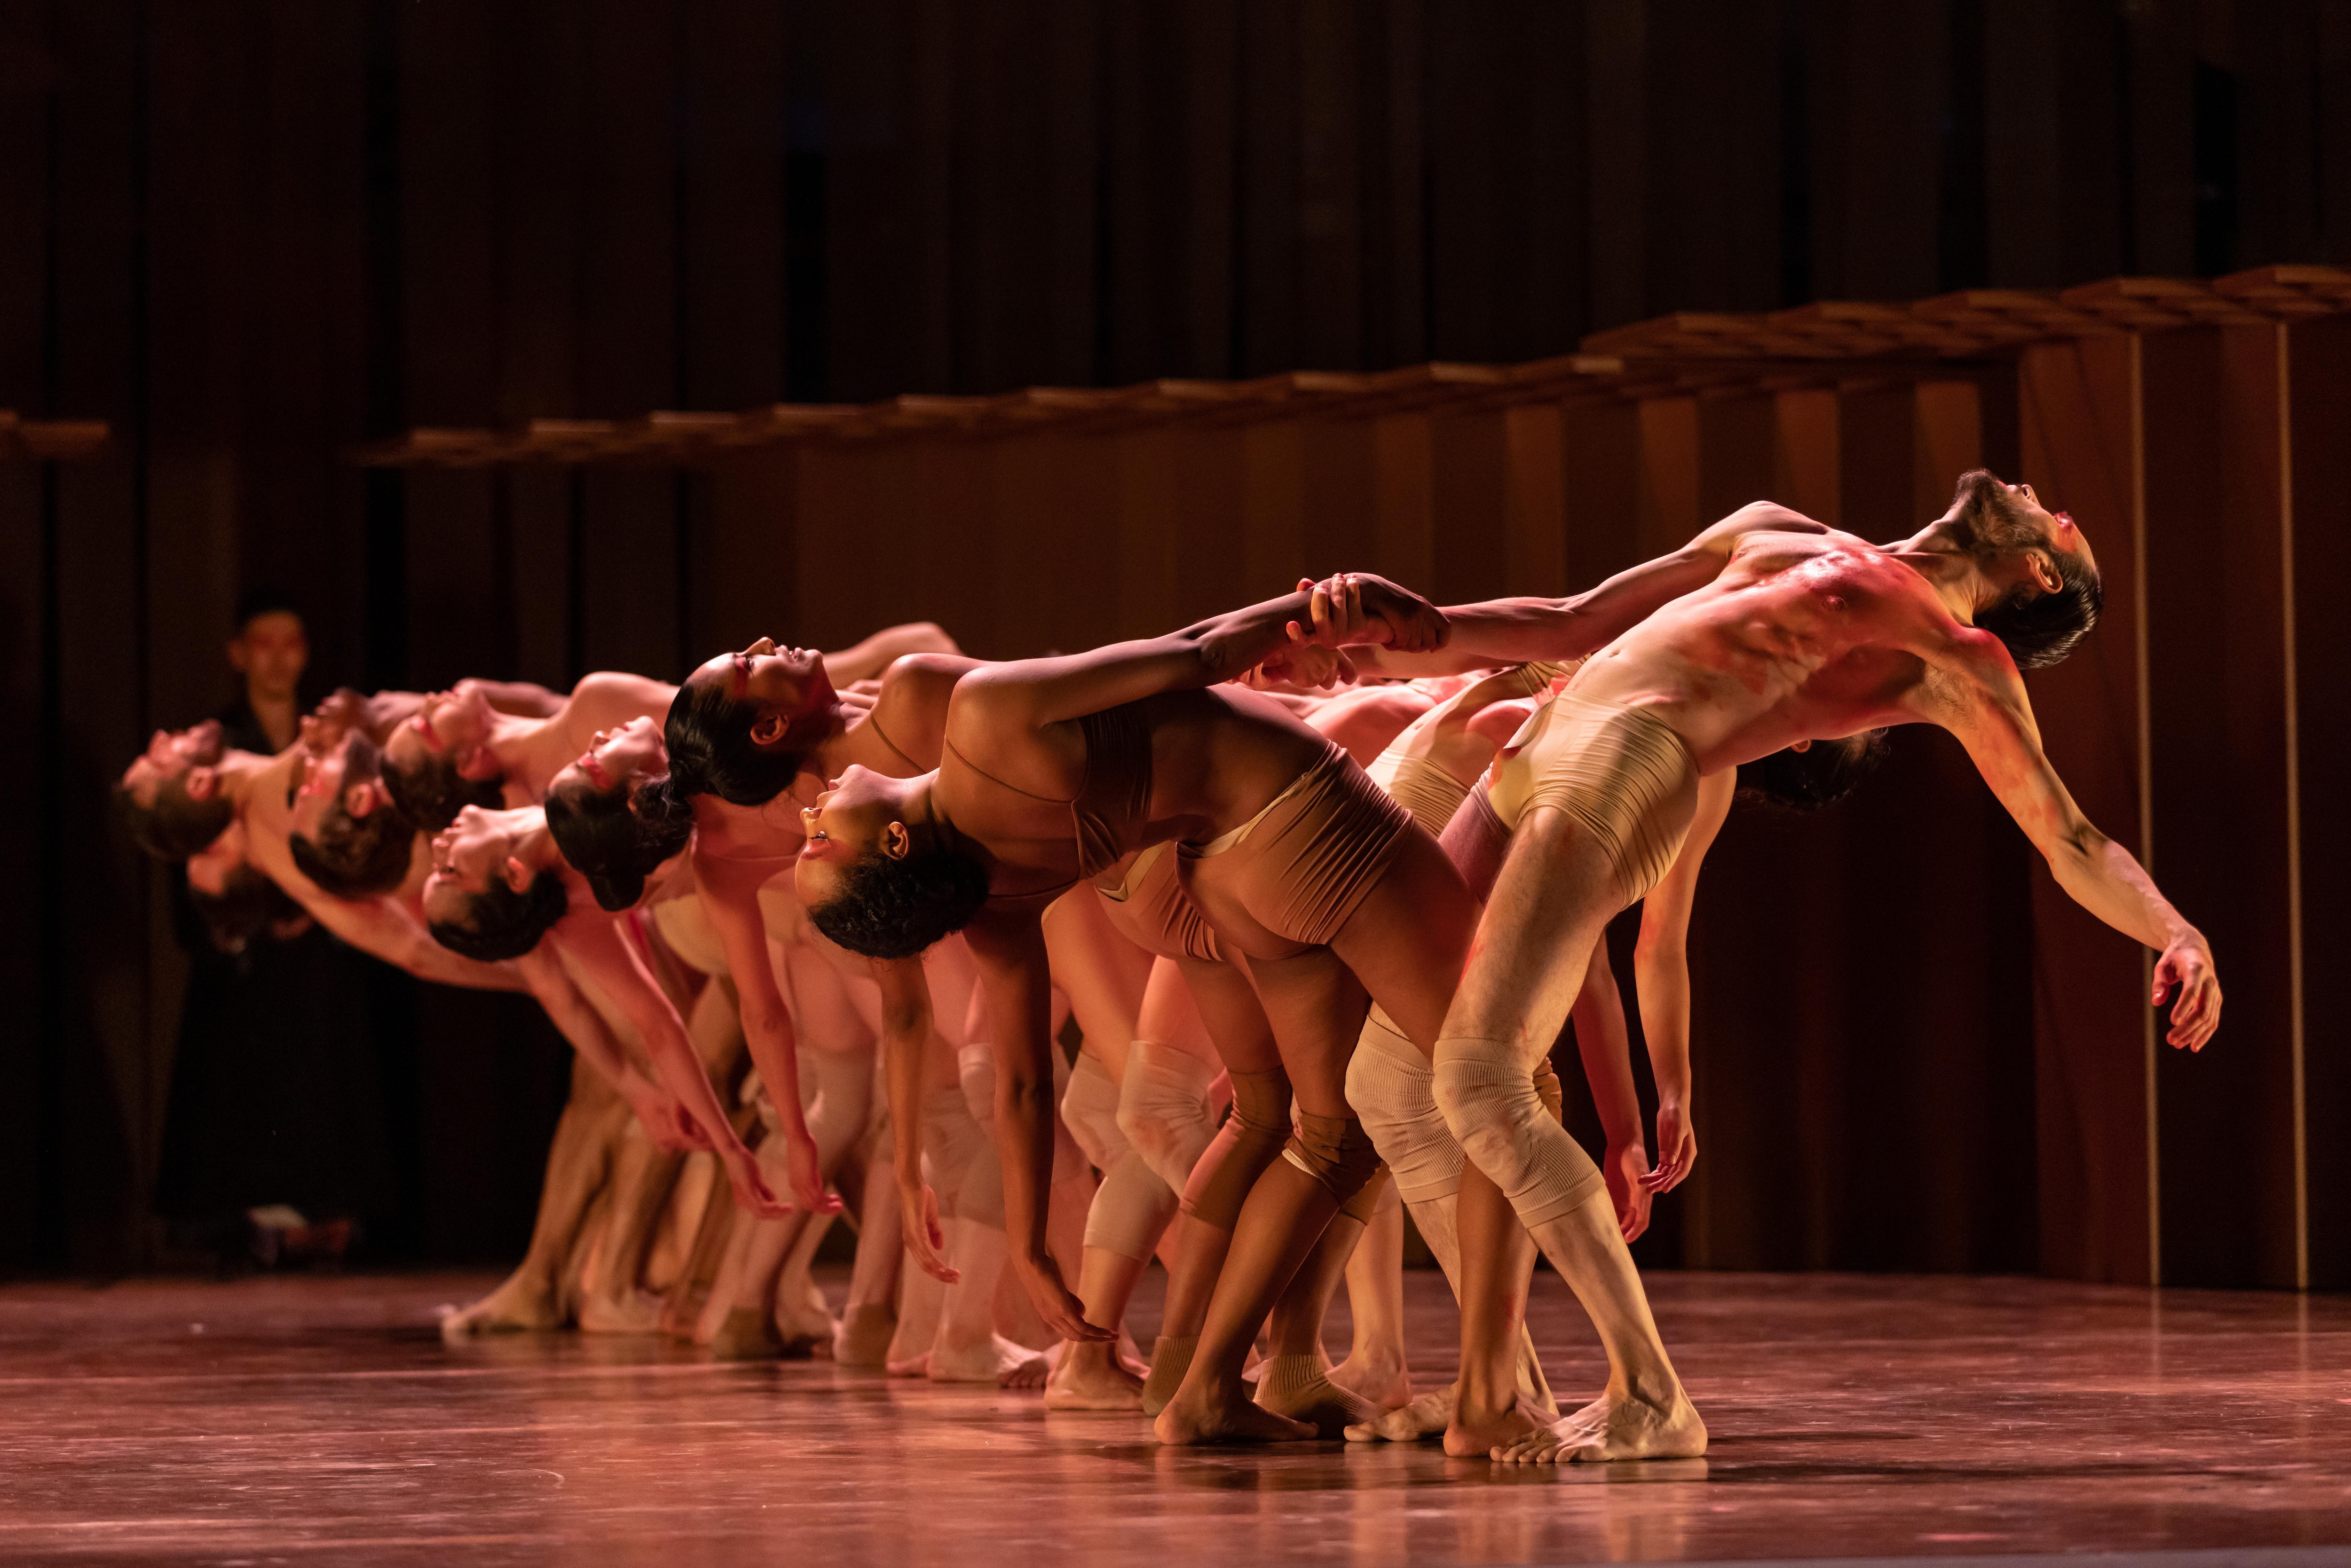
1163	1109
1090	1106
1241	1150
1393	1091
1336	1152
1130	1209
1489	1098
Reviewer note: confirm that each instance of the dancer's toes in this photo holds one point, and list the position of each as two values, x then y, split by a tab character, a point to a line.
912	1366
1224	1416
1424	1418
512	1308
995	1360
1088	1379
1478	1434
1628	1426
1027	1368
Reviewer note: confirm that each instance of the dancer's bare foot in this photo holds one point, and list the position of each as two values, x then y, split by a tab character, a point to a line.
635	1312
747	1334
1202	1412
1377	1376
1424	1418
1300	1388
1614	1426
519	1306
1171	1358
1033	1371
862	1338
1091	1376
992	1360
1475	1435
912	1366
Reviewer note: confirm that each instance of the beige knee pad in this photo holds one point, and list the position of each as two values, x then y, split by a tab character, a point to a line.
1130	1209
953	1145
1488	1094
1163	1109
1251	1140
1336	1152
1090	1110
976	1068
1393	1088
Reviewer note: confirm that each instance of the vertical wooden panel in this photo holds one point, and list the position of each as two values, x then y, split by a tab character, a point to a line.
1534	517
1947	441
1469	488
1212	497
2078	406
1601	447
1404	526
1738	453
1808	477
1151	541
1341	501
2319	390
2216	682
1273	507
1670	474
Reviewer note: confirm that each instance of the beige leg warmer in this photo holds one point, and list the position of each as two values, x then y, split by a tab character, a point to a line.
1133	1206
1489	1099
1162	1108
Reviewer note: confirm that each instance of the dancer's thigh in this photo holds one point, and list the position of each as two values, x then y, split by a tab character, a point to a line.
1170	1016
1316	1006
1235	1018
1409	937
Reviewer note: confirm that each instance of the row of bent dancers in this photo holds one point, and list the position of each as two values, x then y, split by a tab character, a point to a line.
1316	885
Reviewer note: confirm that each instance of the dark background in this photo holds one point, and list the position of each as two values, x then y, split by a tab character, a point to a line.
252	235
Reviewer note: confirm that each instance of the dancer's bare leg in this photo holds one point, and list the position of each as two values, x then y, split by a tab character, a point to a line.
802	1320
1236	1021
713	1239
869	1319
1375	1369
612	1300
577	1160
1295	1378
716	1032
1317	1007
1550	906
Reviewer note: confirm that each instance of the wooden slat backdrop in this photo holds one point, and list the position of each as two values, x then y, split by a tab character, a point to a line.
253	235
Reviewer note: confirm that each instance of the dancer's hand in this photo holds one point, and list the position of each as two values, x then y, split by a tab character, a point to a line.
1677	1147
752	1193
1627	1166
1299	665
805	1168
1057	1305
1352	607
926	1240
2187	965
662	1116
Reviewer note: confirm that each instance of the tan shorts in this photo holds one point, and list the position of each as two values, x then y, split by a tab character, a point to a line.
1151	909
1612	770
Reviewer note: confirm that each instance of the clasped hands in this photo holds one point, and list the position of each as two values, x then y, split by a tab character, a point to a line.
1348	608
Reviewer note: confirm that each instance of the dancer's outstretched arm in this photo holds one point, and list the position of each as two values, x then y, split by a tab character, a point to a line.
584	1028
906	1027
730	893
383	928
1517	630
612	949
1972	689
869	659
1661	978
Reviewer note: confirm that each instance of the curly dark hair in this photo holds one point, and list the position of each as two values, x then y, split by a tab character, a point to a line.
895	908
430	791
174	825
502	923
616	838
357	857
1814	778
708	736
2039	629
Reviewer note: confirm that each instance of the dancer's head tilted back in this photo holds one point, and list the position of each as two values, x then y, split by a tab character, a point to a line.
171	797
880	874
2053	592
484	900
348	836
615	813
236	902
437	763
741	724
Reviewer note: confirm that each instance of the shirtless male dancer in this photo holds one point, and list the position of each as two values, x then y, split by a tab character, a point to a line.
1768	630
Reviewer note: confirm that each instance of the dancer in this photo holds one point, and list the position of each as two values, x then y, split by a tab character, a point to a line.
498	890
1768	630
1124	745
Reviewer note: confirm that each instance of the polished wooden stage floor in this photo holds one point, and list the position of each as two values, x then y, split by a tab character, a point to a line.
321	1420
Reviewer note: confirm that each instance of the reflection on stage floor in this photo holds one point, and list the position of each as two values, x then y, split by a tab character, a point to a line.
322	1420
